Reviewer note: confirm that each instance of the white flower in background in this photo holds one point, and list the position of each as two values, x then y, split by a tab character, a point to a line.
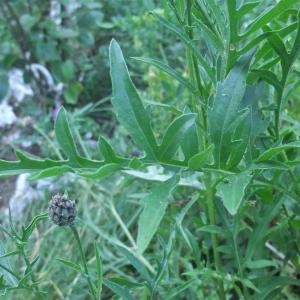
18	88
7	114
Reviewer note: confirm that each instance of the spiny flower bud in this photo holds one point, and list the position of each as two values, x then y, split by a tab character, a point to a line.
62	211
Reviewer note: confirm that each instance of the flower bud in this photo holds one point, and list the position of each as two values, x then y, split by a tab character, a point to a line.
62	211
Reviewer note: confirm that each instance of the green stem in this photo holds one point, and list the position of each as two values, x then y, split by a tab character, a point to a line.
76	235
212	221
239	266
30	270
192	60
195	76
123	226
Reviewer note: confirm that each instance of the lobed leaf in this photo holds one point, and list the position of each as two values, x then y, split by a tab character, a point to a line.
128	105
26	164
225	116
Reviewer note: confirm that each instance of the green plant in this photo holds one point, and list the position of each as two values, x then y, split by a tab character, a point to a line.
12	279
232	147
62	212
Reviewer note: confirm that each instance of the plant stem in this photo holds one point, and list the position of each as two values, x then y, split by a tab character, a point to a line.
76	235
192	61
30	270
212	221
121	223
195	76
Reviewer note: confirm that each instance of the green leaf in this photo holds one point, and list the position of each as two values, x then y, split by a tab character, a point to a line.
269	284
26	164
254	95
240	140
219	18
268	16
154	206
6	271
167	69
260	230
189	43
128	105
296	47
64	137
225	115
260	264
277	44
233	19
64	33
190	146
276	150
50	172
72	92
247	7
200	159
29	229
213	229
99	270
269	77
67	70
11	253
42	168
175	135
70	264
106	150
102	172
232	190
121	291
210	36
254	42
175	291
28	21
137	264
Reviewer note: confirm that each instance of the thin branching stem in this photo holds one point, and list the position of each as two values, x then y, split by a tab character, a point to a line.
83	259
210	198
